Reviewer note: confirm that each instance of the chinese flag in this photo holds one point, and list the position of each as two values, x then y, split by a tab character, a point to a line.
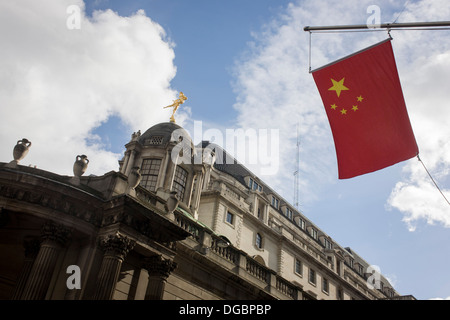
364	103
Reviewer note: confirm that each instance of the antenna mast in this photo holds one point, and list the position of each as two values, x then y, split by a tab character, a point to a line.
296	172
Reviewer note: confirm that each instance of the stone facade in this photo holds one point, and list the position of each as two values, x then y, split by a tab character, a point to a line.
161	228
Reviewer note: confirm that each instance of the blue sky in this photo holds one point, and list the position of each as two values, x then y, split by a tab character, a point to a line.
209	36
242	64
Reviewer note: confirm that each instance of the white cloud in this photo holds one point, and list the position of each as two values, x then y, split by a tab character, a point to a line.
57	85
418	199
423	60
275	90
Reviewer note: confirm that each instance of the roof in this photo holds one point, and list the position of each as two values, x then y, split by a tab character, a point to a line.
228	164
163	133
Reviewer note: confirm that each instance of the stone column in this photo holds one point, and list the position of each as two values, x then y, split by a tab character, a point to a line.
116	248
171	168
125	162
266	214
189	187
31	251
159	270
54	237
130	163
161	182
197	193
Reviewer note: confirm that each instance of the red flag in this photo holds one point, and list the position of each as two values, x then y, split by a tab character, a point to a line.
364	102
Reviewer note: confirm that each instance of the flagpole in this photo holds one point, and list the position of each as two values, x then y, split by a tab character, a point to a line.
434	24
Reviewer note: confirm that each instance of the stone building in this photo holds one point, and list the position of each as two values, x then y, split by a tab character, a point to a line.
177	221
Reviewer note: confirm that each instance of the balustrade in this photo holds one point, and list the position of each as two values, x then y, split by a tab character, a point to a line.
237	257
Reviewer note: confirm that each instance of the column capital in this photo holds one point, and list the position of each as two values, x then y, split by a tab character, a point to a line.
58	233
158	266
117	244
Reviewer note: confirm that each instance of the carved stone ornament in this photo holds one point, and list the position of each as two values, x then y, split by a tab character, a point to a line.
117	245
55	232
21	149
80	165
53	201
172	202
135	136
158	266
19	152
134	178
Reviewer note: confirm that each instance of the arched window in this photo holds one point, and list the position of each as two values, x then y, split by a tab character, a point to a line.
260	260
179	182
149	172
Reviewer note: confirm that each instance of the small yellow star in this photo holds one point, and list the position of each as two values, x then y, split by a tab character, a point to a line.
334	106
338	86
360	98
355	108
343	111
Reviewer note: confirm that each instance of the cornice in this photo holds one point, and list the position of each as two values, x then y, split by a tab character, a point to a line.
126	210
58	199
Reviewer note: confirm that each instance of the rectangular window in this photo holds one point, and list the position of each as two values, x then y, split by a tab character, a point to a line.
325	285
179	182
314	233
361	270
351	263
301	223
327	243
230	217
149	172
259	241
253	185
275	202
289	213
312	276
298	267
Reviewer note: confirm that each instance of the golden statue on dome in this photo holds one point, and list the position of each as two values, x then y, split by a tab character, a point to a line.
176	103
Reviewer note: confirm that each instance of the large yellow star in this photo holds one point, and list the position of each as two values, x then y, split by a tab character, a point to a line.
338	86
